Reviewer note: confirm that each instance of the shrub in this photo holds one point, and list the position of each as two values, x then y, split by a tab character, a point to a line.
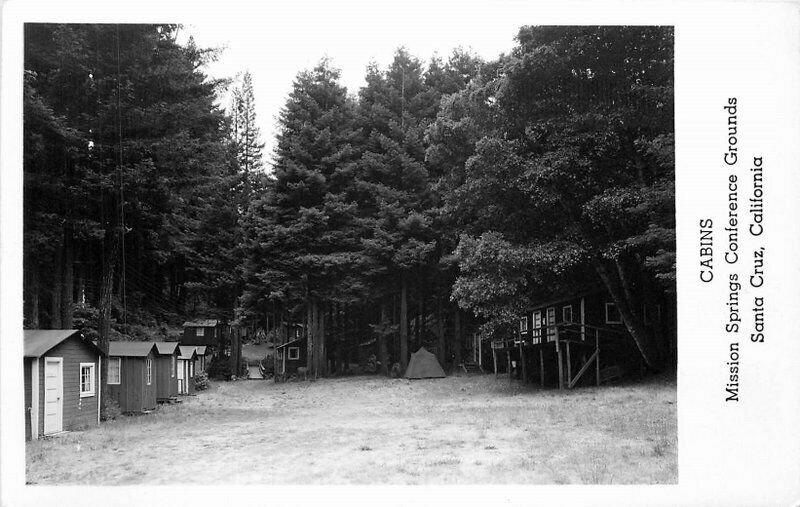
220	368
201	381
110	409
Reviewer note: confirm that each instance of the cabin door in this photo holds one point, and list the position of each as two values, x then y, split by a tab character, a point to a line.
53	394
181	376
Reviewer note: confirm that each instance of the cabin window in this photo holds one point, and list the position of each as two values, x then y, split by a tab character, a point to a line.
87	380
200	331
114	368
537	327
551	321
566	313
523	325
172	373
148	371
612	314
294	352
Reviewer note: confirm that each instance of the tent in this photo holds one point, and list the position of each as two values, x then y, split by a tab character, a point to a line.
423	364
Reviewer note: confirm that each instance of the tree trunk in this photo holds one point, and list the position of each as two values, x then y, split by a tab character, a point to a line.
310	335
404	324
67	298
457	337
620	288
383	353
33	294
320	341
440	330
58	288
106	293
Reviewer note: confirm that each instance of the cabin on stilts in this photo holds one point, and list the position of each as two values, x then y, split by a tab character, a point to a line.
570	341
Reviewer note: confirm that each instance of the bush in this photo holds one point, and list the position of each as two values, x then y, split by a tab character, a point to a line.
201	381
220	368
110	409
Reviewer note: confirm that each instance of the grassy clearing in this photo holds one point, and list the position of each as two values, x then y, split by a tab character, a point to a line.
367	430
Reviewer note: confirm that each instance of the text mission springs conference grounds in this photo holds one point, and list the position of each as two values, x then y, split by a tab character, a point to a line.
743	251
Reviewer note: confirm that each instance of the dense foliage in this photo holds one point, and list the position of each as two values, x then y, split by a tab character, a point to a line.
443	199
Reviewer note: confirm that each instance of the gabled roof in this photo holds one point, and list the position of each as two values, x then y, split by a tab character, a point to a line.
166	348
38	341
201	350
187	352
201	323
296	340
130	349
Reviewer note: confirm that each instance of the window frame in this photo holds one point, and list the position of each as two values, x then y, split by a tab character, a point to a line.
92	383
200	331
564	315
523	324
119	371
295	356
613	305
148	371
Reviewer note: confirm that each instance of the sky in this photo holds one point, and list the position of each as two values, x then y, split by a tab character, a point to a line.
275	44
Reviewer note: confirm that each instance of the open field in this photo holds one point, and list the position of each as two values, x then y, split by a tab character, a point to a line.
361	430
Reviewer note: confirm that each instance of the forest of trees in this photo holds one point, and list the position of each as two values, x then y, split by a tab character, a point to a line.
443	198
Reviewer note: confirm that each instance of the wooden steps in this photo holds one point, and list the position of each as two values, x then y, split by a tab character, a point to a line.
471	367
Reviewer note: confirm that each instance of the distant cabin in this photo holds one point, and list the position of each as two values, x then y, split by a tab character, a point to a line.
290	356
202	332
62	382
186	372
132	378
166	371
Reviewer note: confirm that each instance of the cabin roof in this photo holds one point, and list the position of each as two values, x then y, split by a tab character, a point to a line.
130	349
201	323
38	341
201	350
187	352
288	343
563	298
166	348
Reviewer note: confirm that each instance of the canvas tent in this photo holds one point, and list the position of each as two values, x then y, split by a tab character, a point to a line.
423	364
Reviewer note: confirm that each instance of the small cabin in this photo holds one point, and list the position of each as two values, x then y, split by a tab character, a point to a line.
202	332
290	356
186	362
166	371
132	377
62	382
200	364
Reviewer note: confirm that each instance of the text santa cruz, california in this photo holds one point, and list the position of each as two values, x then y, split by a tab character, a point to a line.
755	277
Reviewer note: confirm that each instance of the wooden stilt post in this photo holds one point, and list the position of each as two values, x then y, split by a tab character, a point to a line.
522	360
494	359
560	364
541	365
597	349
569	366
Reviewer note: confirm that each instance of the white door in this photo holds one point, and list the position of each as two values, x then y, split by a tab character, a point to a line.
180	376
53	394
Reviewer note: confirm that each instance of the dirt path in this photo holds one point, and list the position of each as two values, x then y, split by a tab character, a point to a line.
469	429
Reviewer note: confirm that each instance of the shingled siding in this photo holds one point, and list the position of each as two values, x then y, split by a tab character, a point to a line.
79	413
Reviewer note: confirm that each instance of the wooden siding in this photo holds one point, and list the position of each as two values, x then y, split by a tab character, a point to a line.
132	394
166	382
211	336
78	413
26	371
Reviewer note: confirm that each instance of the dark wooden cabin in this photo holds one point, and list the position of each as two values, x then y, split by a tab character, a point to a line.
132	378
290	356
186	372
166	371
578	338
207	332
62	382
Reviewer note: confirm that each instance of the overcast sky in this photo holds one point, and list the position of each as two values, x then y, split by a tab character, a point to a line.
275	44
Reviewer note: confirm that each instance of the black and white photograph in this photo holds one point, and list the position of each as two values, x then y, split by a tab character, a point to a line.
442	252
